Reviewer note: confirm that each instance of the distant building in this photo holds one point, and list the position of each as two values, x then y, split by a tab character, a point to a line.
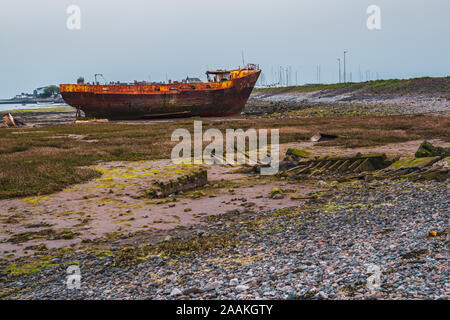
23	95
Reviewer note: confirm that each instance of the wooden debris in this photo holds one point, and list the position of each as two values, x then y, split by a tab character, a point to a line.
323	137
91	120
182	183
9	121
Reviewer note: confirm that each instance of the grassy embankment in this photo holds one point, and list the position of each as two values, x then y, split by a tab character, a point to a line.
425	85
44	160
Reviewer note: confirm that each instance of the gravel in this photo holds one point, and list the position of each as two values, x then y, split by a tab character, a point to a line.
319	250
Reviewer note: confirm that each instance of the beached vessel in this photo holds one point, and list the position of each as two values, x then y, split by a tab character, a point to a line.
225	93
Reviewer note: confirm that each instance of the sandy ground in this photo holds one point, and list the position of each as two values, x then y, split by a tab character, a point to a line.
116	203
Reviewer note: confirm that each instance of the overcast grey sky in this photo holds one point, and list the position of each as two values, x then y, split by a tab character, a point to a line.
142	39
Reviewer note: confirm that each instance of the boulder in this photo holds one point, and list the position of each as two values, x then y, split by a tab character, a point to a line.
276	194
426	149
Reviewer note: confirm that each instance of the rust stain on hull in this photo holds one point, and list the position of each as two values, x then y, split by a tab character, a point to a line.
226	95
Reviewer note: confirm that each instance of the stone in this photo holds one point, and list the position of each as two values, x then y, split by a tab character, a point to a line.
276	192
192	291
176	292
323	137
321	183
321	295
241	288
200	232
211	286
426	149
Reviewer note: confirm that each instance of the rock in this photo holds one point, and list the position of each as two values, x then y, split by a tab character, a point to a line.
167	238
321	183
234	282
276	192
211	286
292	296
192	291
426	149
241	288
200	233
176	292
323	137
321	295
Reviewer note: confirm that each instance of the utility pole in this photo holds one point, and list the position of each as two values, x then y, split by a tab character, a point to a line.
319	73
281	74
339	60
287	77
345	70
359	73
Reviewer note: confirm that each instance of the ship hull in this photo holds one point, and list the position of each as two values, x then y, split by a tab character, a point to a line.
175	100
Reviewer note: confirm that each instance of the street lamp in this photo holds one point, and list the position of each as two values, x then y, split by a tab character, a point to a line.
339	60
345	72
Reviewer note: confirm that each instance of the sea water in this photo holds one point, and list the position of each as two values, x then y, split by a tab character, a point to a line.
30	106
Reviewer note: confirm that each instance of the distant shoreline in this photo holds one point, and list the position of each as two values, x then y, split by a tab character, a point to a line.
31	106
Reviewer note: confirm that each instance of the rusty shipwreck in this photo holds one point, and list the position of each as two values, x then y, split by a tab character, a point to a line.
225	93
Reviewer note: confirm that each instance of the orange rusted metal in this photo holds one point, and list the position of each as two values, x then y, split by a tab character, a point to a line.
225	95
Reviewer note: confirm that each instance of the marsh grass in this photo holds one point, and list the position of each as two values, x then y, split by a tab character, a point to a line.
38	161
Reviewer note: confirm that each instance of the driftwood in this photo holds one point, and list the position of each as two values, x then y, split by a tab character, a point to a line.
10	121
92	120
